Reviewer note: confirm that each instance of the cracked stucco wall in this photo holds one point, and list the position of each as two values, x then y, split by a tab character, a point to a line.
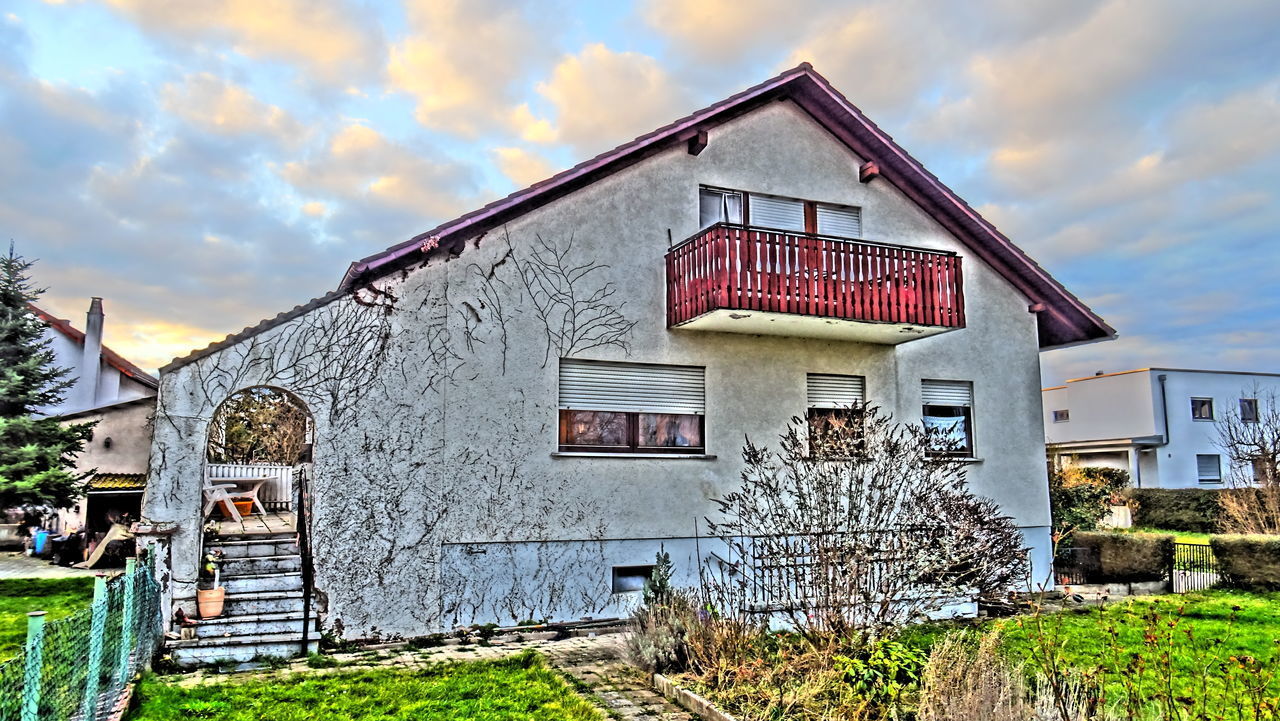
436	497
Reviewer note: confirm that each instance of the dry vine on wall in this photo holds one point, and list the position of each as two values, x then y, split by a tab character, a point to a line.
382	371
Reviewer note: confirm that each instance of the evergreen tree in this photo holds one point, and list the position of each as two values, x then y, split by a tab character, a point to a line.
37	454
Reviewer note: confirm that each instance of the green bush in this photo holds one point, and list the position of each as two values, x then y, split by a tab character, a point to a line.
1127	557
1250	563
1080	496
1192	510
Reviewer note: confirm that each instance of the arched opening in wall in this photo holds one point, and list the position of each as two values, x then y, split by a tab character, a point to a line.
258	453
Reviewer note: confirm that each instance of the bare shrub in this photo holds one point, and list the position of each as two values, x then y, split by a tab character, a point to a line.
851	534
1251	443
968	681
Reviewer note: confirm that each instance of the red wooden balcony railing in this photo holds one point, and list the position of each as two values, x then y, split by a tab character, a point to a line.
734	267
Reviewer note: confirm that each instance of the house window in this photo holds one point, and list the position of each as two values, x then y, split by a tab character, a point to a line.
835	412
1249	410
1061	416
948	415
768	211
1209	468
718	205
627	579
841	220
631	407
1202	409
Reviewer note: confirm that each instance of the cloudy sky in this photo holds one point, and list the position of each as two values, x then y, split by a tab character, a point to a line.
203	164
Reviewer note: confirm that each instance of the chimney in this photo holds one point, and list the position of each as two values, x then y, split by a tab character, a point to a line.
91	363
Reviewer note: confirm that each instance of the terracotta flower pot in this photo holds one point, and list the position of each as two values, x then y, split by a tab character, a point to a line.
244	508
210	602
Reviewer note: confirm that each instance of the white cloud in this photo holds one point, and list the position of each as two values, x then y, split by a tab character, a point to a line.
216	106
462	59
603	98
362	166
522	166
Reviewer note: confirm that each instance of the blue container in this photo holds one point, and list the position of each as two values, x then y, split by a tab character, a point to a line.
41	540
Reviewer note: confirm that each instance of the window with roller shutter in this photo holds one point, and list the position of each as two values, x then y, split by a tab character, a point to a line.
948	415
631	407
835	413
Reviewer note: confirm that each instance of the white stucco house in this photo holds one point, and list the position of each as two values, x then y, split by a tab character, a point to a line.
1159	424
515	410
120	397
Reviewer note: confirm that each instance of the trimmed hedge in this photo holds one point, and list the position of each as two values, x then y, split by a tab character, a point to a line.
1191	510
1126	557
1249	563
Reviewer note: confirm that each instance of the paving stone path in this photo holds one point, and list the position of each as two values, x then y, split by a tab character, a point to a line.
594	664
19	565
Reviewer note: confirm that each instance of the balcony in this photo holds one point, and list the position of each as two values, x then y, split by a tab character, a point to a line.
741	279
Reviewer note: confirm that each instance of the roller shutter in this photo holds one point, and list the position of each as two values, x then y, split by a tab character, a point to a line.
768	211
638	387
840	220
835	391
947	393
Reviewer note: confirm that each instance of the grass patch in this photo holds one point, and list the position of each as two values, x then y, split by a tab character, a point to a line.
1204	625
1199	539
518	688
60	597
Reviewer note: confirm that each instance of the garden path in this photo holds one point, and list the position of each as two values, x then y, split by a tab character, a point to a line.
20	565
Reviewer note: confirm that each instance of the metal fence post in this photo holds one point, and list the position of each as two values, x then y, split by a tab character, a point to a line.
89	708
126	622
32	679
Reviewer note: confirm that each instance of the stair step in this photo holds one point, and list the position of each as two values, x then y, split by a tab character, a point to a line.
253	583
263	602
254	548
261	565
288	537
253	624
194	652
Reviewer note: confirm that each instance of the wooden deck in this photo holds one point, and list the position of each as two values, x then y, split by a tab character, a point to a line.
273	522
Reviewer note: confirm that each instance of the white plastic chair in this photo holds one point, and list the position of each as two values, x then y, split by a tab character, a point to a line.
222	493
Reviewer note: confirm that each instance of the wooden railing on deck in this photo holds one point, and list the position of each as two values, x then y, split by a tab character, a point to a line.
734	267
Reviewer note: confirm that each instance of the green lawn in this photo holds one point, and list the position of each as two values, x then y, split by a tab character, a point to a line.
1207	630
58	596
1200	539
519	688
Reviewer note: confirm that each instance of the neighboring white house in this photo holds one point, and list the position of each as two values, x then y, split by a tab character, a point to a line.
120	397
1160	424
514	411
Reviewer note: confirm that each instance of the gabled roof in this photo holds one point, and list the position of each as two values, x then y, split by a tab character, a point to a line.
110	357
1065	320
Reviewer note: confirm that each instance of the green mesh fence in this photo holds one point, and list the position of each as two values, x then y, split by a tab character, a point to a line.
79	667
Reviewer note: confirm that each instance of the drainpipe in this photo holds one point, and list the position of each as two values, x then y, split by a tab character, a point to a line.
1164	408
91	362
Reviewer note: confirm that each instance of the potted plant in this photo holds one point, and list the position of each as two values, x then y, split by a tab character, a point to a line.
209	594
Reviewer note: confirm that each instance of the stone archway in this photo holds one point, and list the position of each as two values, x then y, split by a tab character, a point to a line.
262	431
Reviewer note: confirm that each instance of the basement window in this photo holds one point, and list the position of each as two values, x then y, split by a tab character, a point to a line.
629	579
1061	416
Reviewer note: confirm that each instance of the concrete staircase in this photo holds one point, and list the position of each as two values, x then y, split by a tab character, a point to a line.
262	615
